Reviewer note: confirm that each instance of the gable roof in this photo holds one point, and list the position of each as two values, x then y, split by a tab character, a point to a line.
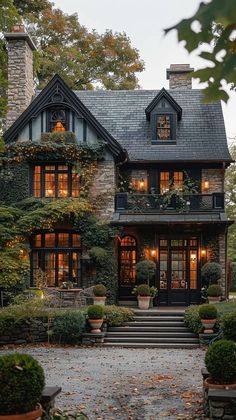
163	94
44	100
200	133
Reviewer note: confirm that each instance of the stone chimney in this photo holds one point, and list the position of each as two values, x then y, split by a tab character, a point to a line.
178	76
20	72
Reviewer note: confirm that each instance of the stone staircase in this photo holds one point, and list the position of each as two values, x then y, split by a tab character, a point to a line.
153	328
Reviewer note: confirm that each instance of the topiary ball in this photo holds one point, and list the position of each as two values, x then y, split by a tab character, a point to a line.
100	290
22	381
143	290
214	290
207	311
220	361
211	272
95	312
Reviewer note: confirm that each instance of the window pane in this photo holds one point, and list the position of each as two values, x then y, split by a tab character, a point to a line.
128	241
75	185
76	240
62	185
50	268
62	168
193	242
163	269
127	267
178	180
50	168
75	267
38	240
164	182
63	239
37	181
163	127
178	269
193	269
50	185
63	268
49	240
163	242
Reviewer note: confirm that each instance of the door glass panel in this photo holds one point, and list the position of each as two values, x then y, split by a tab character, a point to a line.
127	267
193	269
63	268
75	267
164	182
50	268
178	269
178	181
163	269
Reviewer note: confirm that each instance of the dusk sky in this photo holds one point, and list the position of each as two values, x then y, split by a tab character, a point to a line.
143	22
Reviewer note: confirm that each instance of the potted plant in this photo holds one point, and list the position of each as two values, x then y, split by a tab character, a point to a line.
154	293
220	362
22	382
211	273
208	315
95	317
100	293
143	293
214	292
145	271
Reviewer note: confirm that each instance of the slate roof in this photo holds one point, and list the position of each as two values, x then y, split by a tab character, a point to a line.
200	133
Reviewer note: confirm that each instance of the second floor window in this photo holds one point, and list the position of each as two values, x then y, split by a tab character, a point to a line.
164	127
55	181
168	179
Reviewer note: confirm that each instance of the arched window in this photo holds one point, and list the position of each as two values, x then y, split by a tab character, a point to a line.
127	261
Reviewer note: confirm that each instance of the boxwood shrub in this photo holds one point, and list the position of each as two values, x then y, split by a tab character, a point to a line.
228	325
116	316
68	327
95	312
214	290
207	311
192	319
220	361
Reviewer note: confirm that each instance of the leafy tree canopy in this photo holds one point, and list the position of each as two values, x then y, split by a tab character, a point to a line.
230	199
212	28
85	59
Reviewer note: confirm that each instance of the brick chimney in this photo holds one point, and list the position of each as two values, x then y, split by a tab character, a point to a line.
20	72
178	76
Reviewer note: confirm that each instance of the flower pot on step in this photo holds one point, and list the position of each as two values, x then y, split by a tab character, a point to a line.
99	300
208	325
144	302
95	324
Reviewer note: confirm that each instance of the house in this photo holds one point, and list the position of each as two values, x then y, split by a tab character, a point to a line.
161	176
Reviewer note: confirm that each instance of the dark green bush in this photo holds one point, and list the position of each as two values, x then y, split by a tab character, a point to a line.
207	311
228	325
22	382
95	312
145	270
142	290
64	137
68	327
214	290
116	316
100	290
211	272
220	361
192	319
233	284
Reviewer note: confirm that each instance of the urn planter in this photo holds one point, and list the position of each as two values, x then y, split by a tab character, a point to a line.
144	302
99	300
95	324
31	415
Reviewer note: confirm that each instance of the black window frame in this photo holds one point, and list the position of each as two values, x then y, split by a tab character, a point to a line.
154	128
49	122
57	172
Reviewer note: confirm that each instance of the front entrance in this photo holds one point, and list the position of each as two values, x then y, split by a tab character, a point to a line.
177	275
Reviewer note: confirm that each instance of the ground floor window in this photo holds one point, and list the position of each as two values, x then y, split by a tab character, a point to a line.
58	255
127	261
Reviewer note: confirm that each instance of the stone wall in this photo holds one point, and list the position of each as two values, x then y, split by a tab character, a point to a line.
103	189
215	177
222	262
24	331
20	77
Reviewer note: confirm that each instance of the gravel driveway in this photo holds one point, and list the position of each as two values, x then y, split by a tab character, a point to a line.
124	384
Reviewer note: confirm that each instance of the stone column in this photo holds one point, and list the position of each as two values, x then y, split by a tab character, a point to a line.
20	72
103	189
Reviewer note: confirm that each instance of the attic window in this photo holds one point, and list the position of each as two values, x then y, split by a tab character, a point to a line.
58	120
164	127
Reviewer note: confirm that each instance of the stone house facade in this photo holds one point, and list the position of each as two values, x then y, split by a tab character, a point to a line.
161	177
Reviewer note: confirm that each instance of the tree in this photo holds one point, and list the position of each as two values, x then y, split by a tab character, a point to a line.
84	59
212	28
230	200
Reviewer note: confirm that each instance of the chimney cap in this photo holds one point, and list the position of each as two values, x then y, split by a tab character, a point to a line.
178	69
19	33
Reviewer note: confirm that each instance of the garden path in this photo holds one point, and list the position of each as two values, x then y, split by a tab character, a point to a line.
124	384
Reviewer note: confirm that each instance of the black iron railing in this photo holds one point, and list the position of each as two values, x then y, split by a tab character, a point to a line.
157	203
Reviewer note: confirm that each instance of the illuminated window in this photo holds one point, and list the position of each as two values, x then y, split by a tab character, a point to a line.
58	255
58	120
163	127
178	180
164	182
127	261
55	181
168	179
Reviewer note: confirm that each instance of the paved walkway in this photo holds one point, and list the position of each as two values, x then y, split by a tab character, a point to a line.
124	384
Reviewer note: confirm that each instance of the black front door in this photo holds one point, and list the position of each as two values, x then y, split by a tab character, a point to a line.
178	272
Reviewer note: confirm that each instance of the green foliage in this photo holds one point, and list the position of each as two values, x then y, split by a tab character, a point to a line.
211	272
212	29
95	312
68	327
233	284
230	201
98	254
65	137
207	311
145	270
116	316
228	325
2	146
192	319
142	290
22	382
214	290
220	361
100	290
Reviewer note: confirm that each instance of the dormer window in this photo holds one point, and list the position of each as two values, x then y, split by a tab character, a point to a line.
163	127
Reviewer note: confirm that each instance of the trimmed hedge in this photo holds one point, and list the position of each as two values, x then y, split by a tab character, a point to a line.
116	316
228	325
69	327
192	319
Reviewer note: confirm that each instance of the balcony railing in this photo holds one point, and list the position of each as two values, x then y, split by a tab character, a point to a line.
157	203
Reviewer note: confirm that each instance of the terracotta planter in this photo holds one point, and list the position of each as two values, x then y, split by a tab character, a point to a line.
32	415
209	385
99	300
213	299
144	302
95	324
208	325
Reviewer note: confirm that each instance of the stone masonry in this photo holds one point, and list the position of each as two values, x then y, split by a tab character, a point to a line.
178	76
20	73
215	177
103	189
222	261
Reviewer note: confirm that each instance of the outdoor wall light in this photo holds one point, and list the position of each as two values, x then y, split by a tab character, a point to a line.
153	252
203	253
141	184
206	185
